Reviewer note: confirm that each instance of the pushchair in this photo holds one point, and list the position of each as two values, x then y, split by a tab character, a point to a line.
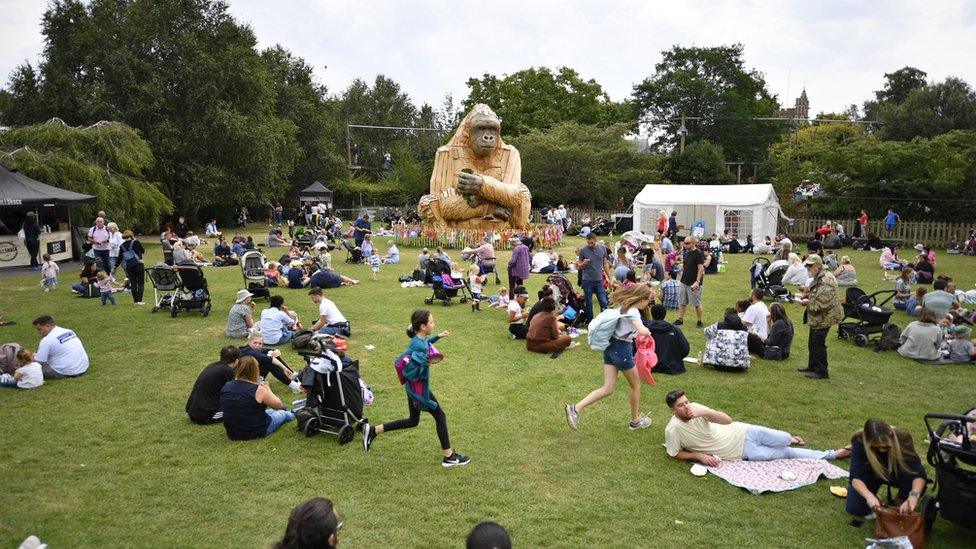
183	287
569	297
334	401
166	282
304	237
768	277
355	254
252	267
438	275
952	452
865	315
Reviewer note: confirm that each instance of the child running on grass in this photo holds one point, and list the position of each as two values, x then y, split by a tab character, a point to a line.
416	381
49	273
105	287
618	357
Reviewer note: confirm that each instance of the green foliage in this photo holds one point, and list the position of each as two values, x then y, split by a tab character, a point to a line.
929	110
361	189
861	171
702	162
108	160
713	84
583	165
538	99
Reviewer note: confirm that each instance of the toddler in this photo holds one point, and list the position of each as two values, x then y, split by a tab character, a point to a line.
374	263
105	287
27	375
500	300
476	282
961	348
49	273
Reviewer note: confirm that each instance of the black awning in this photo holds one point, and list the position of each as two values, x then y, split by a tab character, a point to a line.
16	189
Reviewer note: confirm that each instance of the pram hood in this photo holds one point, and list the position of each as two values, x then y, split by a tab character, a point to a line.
164	277
780	265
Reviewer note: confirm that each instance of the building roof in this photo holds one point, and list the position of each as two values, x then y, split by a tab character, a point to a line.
707	195
16	189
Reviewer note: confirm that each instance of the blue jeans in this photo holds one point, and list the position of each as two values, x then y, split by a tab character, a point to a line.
108	296
278	418
339	328
764	444
858	506
589	288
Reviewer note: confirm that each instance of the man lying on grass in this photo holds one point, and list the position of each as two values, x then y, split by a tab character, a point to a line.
698	433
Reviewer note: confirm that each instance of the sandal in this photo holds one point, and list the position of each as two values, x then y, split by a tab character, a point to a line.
799	441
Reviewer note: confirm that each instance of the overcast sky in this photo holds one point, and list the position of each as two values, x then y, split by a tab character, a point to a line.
838	50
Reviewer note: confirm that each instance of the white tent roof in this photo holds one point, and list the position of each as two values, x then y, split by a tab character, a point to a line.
707	195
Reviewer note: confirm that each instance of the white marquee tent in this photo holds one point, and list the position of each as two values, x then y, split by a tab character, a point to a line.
744	209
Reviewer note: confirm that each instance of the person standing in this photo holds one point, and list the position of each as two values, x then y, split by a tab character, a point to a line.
518	267
861	228
362	227
415	378
672	225
593	261
692	273
823	311
115	241
32	239
890	221
131	260
98	237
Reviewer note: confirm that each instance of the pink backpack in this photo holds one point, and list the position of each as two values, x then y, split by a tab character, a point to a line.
417	387
645	359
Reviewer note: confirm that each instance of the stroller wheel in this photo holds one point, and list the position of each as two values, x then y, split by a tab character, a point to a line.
311	427
346	434
464	300
861	340
428	301
447	302
206	309
841	334
154	309
175	310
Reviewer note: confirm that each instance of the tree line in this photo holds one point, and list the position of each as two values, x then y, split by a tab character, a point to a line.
227	124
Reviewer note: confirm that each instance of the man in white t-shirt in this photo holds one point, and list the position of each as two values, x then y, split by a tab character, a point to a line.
756	317
698	433
60	352
330	320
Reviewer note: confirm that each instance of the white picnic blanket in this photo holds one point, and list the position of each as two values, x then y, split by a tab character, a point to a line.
767	476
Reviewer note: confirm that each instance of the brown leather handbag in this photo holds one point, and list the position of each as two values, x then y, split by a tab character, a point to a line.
891	523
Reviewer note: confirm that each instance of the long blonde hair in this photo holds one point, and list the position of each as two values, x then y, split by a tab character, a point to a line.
878	431
628	297
247	369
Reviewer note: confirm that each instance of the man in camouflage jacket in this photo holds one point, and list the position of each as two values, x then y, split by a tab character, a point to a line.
823	311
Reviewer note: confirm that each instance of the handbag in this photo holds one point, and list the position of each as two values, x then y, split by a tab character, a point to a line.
773	352
891	523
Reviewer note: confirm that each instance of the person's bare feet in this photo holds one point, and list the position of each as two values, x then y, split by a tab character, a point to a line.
843	453
797	441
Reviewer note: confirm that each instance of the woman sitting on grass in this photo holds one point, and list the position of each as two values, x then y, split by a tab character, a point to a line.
251	409
544	335
882	454
922	338
780	334
845	273
903	288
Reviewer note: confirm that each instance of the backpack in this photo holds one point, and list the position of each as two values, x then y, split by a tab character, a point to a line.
601	328
890	338
302	339
129	257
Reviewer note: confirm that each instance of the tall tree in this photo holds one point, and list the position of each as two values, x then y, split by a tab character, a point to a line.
538	98
929	110
722	97
702	162
382	104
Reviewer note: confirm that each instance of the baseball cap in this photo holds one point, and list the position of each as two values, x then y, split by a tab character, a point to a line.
813	259
242	295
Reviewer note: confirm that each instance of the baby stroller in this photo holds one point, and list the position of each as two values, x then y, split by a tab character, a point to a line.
334	401
193	293
166	282
768	277
569	297
304	237
355	254
445	287
252	267
954	460
867	313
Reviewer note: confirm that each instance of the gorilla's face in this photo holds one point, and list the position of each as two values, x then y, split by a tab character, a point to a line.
485	135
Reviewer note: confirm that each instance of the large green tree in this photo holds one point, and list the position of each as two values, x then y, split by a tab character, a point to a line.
719	97
538	99
584	165
107	160
702	162
929	110
184	73
382	104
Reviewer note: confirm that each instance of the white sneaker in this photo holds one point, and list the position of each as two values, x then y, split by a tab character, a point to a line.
572	417
643	422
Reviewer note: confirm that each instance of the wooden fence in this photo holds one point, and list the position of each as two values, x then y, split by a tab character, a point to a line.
933	233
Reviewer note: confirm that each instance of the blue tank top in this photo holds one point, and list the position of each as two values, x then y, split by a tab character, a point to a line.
244	417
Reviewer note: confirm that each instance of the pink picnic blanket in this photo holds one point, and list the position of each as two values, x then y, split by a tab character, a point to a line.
764	476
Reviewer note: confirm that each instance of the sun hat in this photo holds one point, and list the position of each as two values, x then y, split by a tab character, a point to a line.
813	259
296	263
320	245
919	247
242	295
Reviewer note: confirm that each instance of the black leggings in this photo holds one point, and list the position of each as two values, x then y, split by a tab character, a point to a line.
137	281
414	420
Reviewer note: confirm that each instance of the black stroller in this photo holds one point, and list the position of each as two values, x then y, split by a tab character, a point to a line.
438	275
355	254
184	287
252	267
768	277
334	401
867	315
952	451
305	238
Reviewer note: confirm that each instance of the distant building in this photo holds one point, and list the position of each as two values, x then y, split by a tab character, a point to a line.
800	110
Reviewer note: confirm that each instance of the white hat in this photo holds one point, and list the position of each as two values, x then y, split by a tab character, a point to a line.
320	245
242	295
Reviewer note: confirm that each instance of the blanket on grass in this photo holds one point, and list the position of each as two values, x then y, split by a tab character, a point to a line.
766	476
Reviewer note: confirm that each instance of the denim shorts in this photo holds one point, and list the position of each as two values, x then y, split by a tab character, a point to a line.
620	353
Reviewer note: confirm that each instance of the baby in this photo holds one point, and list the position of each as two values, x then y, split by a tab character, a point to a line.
27	375
105	287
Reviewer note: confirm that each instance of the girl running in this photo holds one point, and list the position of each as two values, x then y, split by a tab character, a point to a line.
619	355
419	398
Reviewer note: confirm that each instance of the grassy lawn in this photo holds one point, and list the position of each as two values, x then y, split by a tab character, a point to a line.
110	459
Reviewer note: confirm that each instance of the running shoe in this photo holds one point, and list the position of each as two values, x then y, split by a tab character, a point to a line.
369	435
455	459
643	422
572	417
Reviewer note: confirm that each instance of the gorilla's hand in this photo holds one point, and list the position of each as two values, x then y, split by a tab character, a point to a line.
501	213
469	184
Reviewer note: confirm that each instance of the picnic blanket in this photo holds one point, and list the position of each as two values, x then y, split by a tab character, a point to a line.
764	476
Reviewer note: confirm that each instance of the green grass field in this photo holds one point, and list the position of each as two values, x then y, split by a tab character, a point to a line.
110	459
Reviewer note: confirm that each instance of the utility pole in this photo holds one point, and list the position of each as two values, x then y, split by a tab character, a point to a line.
682	132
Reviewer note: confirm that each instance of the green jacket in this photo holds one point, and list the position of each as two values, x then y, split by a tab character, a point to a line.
824	309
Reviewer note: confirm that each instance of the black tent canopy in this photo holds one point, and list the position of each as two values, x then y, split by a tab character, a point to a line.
316	192
16	189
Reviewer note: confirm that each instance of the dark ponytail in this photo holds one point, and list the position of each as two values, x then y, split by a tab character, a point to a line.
417	319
